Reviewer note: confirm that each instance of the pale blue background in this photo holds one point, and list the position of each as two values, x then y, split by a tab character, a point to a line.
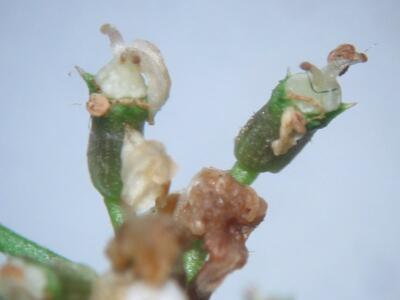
333	228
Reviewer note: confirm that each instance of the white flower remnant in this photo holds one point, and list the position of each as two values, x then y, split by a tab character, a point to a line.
317	90
146	171
113	286
133	67
22	280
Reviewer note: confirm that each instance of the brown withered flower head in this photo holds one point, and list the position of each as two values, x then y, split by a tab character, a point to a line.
149	247
223	212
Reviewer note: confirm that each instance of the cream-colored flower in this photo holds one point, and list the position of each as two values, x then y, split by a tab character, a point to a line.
146	171
136	71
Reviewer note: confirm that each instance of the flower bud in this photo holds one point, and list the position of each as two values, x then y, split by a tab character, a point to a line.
299	105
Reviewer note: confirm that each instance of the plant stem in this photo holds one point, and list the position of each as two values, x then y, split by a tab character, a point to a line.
13	244
76	279
242	175
115	211
193	260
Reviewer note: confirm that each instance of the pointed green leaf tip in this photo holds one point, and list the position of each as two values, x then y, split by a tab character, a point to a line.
318	124
89	79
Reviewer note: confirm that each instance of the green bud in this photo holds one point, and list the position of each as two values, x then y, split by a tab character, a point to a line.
301	104
253	145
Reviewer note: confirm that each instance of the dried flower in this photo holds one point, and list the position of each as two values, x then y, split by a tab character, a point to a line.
148	247
146	171
222	212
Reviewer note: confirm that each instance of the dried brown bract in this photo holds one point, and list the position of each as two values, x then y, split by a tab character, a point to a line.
222	211
149	247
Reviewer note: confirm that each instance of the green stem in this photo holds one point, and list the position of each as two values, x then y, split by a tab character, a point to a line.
242	175
76	279
13	244
193	260
115	211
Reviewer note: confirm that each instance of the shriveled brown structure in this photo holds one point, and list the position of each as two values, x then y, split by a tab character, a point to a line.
223	212
149	247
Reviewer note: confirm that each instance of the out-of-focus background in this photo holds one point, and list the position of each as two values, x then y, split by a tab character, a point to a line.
333	226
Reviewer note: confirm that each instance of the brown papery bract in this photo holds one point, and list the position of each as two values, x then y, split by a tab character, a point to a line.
223	212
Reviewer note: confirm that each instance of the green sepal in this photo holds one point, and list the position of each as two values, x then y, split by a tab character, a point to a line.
89	79
105	144
253	143
193	260
104	154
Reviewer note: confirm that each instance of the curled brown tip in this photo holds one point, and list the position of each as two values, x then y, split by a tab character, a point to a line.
113	34
306	66
135	59
105	28
363	57
347	52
